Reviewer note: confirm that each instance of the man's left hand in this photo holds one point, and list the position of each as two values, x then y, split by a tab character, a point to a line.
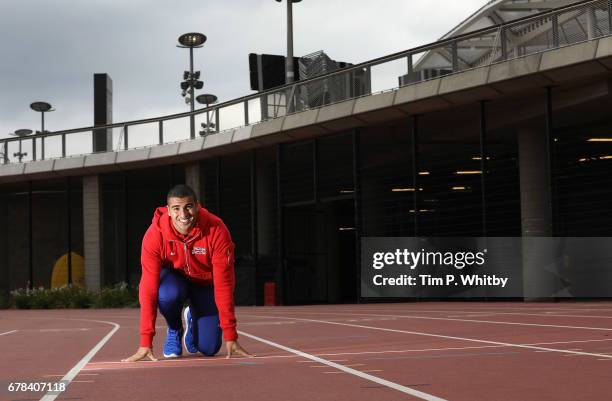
234	348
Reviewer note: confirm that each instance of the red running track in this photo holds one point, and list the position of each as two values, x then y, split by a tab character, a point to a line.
410	351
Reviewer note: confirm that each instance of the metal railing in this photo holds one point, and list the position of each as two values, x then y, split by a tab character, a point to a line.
548	30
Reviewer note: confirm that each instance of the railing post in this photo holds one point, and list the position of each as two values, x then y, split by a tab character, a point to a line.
591	23
42	148
410	65
34	149
63	145
455	57
6	152
246	112
125	137
555	30
503	39
609	17
217	128
161	132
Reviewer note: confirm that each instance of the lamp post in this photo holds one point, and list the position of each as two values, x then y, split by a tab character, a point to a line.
207	99
191	41
42	108
21	133
289	73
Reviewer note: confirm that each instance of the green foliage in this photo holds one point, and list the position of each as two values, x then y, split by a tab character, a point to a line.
119	296
74	297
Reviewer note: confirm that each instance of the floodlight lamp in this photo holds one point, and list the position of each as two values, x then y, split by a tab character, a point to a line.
186	75
206	99
184	85
199	84
22	132
192	39
41	106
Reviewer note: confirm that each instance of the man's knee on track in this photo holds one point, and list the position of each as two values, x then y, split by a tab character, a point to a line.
209	349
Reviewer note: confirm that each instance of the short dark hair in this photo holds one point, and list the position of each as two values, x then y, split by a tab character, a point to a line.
181	191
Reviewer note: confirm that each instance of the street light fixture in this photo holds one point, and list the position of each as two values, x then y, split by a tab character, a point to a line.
191	41
42	108
207	99
289	74
20	133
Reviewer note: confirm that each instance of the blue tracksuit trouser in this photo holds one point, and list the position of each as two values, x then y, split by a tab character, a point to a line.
174	290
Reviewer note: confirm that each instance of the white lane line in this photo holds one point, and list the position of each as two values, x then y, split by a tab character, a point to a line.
366	376
458	313
72	373
558	326
563	351
525	312
58	330
8	332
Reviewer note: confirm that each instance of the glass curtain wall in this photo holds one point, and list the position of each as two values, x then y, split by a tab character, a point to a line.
128	202
449	176
387	180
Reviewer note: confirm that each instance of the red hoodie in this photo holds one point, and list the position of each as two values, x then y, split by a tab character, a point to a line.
205	256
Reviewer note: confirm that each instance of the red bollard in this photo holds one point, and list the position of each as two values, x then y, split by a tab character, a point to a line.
269	294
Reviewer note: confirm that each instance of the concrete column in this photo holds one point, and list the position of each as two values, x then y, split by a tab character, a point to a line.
92	232
540	273
192	178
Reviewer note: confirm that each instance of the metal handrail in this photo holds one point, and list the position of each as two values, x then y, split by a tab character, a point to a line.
291	87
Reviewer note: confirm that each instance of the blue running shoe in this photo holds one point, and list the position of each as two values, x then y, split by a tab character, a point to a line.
188	335
172	345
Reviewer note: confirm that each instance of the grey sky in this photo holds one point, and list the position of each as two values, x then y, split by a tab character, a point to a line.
50	49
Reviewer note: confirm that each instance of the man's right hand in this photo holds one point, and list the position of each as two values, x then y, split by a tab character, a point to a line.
142	353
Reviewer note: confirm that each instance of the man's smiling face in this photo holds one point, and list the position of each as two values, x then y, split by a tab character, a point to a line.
183	213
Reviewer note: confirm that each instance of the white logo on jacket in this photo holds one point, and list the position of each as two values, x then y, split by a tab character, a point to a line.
198	251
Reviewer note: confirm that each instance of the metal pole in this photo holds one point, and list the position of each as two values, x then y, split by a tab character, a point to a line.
550	153
254	236
218	186
30	241
207	119
483	164
280	269
289	61
69	224
126	227
415	172
357	210
315	171
42	122
63	145
191	91
42	148
254	239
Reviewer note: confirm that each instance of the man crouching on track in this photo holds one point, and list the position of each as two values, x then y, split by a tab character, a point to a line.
187	255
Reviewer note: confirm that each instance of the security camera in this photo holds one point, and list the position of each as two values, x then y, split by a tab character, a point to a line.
187	99
184	93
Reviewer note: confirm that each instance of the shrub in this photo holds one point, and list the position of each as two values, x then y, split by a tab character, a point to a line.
121	295
68	296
